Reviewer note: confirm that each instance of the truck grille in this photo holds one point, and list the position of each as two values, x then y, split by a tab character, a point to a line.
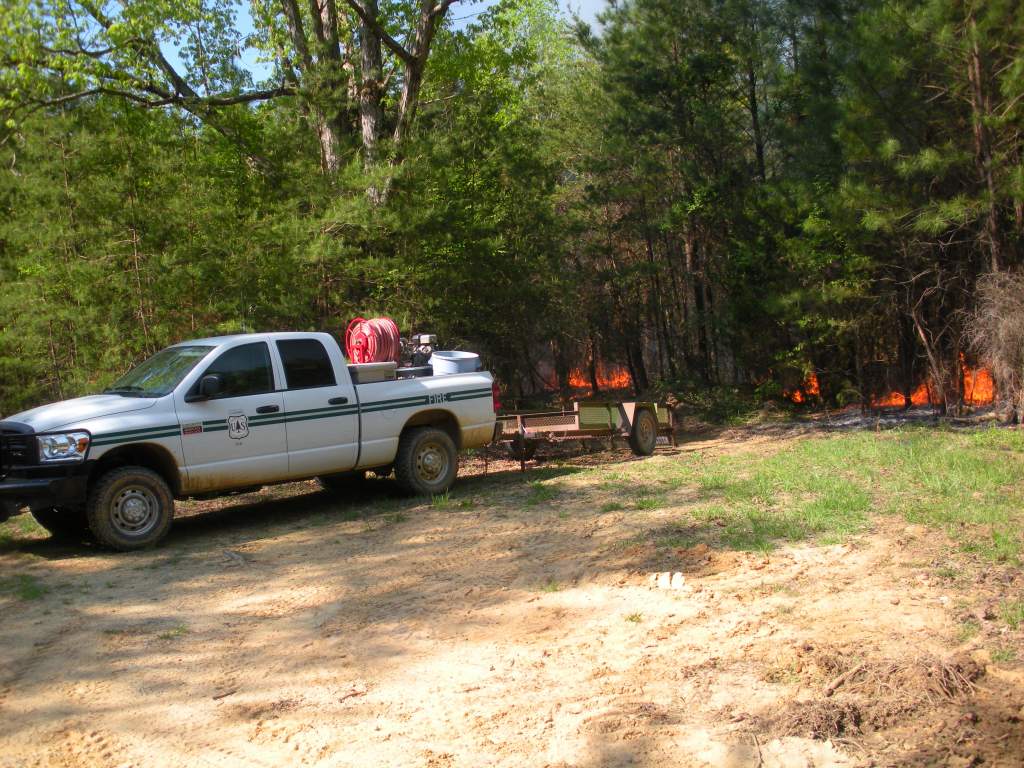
17	449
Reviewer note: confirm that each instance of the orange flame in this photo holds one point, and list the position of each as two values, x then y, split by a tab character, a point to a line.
920	396
979	389
608	377
805	391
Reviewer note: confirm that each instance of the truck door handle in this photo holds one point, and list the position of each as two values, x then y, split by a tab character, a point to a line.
337	401
268	409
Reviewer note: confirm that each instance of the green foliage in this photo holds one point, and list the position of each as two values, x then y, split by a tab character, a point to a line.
720	198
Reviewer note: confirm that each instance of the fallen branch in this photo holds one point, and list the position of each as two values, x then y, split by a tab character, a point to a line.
839	681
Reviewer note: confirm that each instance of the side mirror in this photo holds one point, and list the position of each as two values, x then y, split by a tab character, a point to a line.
209	386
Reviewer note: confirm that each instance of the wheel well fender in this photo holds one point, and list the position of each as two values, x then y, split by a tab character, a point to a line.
444	420
148	455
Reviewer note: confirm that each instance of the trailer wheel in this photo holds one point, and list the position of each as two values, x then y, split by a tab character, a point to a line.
426	463
66	523
644	435
341	481
130	508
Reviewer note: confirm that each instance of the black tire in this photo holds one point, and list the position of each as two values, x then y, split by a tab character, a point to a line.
65	523
342	481
427	461
130	508
643	437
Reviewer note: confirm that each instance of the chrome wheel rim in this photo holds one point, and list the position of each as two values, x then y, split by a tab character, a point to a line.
431	462
135	511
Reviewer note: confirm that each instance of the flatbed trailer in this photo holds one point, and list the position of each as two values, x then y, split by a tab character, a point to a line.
523	431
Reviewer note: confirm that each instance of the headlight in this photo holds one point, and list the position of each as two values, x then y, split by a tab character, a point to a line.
71	445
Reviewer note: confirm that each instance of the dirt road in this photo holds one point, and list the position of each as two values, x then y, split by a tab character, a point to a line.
507	625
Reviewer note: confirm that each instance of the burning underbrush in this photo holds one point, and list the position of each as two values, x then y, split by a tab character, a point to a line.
609	378
975	384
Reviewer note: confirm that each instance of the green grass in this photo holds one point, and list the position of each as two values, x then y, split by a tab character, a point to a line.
648	502
1003	655
635	618
174	632
1012	613
968	629
826	489
550	586
23	586
20	528
541	492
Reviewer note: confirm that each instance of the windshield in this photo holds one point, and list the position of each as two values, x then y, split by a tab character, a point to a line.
160	374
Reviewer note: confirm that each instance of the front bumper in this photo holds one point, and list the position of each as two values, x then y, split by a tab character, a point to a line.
18	492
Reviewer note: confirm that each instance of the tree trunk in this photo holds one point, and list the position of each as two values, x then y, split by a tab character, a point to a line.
755	120
981	111
371	117
417	64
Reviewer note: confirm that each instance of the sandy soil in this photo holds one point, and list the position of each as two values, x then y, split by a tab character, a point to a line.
491	631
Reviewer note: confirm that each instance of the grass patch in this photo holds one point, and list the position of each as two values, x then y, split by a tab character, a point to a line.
648	502
550	586
635	618
1012	613
174	632
23	586
610	506
968	629
541	492
825	489
19	528
442	501
1003	655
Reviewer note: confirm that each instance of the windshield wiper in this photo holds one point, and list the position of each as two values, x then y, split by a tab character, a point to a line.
129	391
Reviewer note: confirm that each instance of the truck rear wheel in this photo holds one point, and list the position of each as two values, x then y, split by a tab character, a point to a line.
62	522
644	435
427	461
130	508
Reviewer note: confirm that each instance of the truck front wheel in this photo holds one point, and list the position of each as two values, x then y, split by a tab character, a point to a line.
66	523
130	508
427	462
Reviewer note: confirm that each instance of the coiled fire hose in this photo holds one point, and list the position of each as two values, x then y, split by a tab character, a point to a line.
373	341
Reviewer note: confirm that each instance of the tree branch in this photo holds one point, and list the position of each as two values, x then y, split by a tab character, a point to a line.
296	32
443	6
397	48
165	99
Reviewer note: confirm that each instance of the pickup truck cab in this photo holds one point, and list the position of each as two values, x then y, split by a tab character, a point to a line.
218	415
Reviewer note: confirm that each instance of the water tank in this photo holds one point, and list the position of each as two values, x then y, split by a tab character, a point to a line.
447	362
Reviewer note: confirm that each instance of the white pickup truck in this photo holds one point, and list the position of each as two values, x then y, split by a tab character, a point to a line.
217	415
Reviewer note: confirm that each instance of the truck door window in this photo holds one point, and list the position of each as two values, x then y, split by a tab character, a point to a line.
246	370
305	364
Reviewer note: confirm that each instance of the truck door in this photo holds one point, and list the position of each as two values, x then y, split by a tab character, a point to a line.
237	437
321	411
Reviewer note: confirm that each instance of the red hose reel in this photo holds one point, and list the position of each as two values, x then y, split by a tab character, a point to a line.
373	341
